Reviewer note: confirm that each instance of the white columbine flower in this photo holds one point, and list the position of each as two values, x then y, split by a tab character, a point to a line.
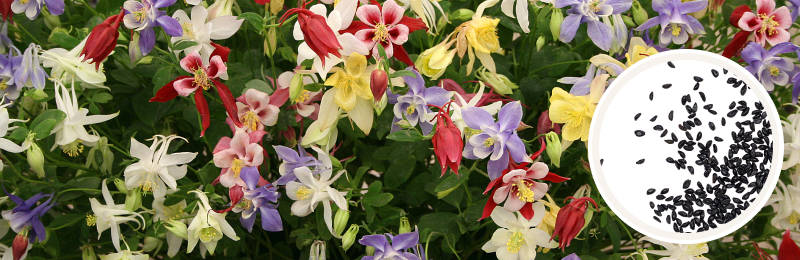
786	202
308	191
791	137
678	251
125	255
156	170
110	216
516	239
69	65
5	144
198	30
208	226
173	212
70	133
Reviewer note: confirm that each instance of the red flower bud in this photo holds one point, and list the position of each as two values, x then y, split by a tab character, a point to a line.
5	10
316	32
102	40
378	82
545	125
447	142
20	245
570	220
788	249
235	193
220	50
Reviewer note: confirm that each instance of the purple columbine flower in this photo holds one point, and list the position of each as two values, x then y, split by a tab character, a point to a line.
25	215
581	85
794	6
293	160
591	12
264	199
498	139
413	106
767	66
30	73
8	64
32	8
401	246
144	16
676	24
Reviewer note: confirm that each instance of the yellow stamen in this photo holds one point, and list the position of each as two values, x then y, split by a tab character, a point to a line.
676	29
469	132
489	142
23	2
768	24
4	84
303	97
794	218
208	234
411	110
595	5
774	71
188	32
236	166
574	118
91	220
304	193
73	149
246	203
697	249
148	182
251	120
381	32
515	242
174	212
201	79
139	15
524	192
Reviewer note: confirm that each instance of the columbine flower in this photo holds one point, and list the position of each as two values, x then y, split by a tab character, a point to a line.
256	110
233	154
769	24
34	7
786	203
69	65
125	255
70	132
351	93
518	188
515	239
293	160
570	220
678	251
769	68
205	76
8	64
156	170
498	139
581	85
304	102
791	136
144	16
26	215
448	145
413	106
794	6
170	213
434	61
591	11
30	73
308	191
5	121
481	35
385	25
110	216
208	226
102	40
676	23
199	30
475	101
400	248
263	199
508	8
576	112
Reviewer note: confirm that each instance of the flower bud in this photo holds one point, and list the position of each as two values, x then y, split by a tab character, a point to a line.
553	148
134	52
36	159
403	124
296	86
275	6
522	126
177	228
271	42
378	81
462	14
350	237
340	221
539	43
220	8
380	105
38	95
20	245
87	253
639	14
134	200
405	227
500	83
317	251
628	21
120	183
150	243
555	23
51	21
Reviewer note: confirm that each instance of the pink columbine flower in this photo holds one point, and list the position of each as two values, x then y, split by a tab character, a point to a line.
520	188
768	24
233	154
385	24
256	110
304	103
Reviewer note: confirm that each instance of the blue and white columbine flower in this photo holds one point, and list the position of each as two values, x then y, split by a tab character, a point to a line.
293	160
591	12
30	73
8	64
413	106
263	199
144	16
498	139
402	246
769	68
32	8
676	23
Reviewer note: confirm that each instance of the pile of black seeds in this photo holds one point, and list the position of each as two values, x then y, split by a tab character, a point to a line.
732	178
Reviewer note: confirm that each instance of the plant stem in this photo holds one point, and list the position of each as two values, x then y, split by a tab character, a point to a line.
91	9
556	64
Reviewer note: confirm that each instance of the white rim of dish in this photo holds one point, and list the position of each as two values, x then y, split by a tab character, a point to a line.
639	224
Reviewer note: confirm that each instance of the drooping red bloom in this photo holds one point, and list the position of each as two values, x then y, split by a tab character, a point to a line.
570	220
447	142
385	25
316	32
205	77
545	125
378	82
219	50
102	40
5	10
235	193
20	245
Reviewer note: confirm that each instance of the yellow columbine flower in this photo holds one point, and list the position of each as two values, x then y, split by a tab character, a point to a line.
549	221
351	82
576	112
482	34
433	62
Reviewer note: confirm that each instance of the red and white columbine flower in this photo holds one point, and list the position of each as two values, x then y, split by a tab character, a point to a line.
518	188
256	109
769	24
385	25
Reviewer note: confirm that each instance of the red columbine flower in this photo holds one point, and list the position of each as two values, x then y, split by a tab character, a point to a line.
102	40
447	142
205	76
20	245
787	251
5	10
316	32
220	50
570	220
385	25
518	188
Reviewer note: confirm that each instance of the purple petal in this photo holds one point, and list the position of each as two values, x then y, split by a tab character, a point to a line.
405	240
564	3
475	117
436	96
496	167
376	241
286	153
250	177
693	6
170	25
697	27
416	84
270	219
784	47
572	256
752	52
56	7
796	88
600	33
13	197
147	40
38	229
516	147
650	23
248	223
509	116
426	126
662	6
569	27
620	6
163	3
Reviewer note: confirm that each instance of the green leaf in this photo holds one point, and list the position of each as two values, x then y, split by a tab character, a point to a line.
184	44
19	134
256	20
613	233
163	76
65	221
208	173
46	121
63	39
399	171
379	200
408	135
102	97
401	73
313	87
85	183
259	85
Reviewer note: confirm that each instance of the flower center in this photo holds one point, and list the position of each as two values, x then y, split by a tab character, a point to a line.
381	32
187	30
251	120
236	166
201	79
23	1
768	24
411	109
245	203
574	117
524	192
487	35
488	142
208	234
148	182
774	71
676	29
139	15
515	242
697	249
73	149
303	97
4	84
173	212
91	220
794	218
596	6
347	81
304	193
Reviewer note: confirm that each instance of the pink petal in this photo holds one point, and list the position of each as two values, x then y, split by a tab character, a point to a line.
269	115
369	14
513	204
387	46
398	34
749	22
500	194
765	6
216	68
223	144
185	86
239	143
255	155
392	12
192	62
783	17
537	171
780	36
509	177
224	159
539	189
366	36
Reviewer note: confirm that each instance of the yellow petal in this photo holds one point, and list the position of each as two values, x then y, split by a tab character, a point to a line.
345	97
559	111
571	133
598	86
334	79
355	65
362	115
601	59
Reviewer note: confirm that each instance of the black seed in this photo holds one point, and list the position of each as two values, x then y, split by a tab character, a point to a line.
687	183
664	191
666	86
656	218
732	105
651	96
731	80
653	119
650	191
717	138
689	136
697	121
703	96
699	135
670	114
640	161
743	91
723	121
691	169
664	133
725	71
601	161
658	128
636	117
696	86
698	79
715	73
639	133
712	126
674	137
652	205
669	63
732	113
668	141
660	197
